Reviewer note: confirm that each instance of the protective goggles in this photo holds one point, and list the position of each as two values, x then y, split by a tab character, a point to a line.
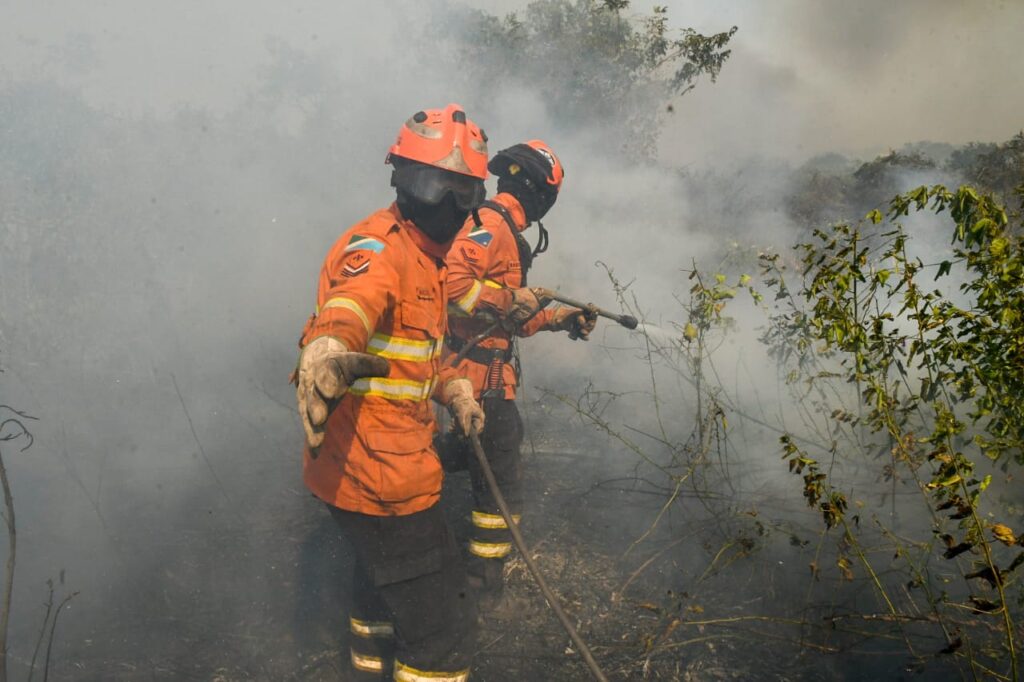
430	184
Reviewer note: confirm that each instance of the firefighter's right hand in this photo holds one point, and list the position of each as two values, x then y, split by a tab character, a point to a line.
525	304
326	371
458	395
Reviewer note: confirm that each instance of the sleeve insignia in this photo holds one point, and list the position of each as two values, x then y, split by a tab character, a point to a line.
481	236
360	242
356	264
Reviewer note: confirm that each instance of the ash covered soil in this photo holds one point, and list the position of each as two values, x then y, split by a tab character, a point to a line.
718	589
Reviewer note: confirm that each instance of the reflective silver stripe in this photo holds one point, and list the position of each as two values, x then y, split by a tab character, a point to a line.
469	299
485	520
397	348
404	673
394	389
490	550
349	304
369	628
370	664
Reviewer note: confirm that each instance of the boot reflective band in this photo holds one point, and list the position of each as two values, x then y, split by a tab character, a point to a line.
370	664
490	550
485	520
404	673
369	628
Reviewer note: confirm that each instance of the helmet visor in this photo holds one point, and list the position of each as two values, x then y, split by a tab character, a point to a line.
430	184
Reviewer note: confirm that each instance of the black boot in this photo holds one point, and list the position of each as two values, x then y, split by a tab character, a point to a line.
487	577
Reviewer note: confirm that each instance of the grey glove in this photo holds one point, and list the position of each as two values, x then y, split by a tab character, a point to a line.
579	323
525	304
326	370
458	395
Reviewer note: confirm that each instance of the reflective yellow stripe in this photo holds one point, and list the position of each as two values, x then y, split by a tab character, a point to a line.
404	673
485	520
397	348
490	550
349	304
370	664
369	628
468	301
492	284
394	389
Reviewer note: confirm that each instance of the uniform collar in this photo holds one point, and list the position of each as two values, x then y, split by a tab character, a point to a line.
514	208
425	243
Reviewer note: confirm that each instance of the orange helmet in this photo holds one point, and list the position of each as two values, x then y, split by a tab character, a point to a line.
535	159
442	139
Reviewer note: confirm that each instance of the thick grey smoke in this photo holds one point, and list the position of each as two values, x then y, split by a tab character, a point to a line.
172	174
861	78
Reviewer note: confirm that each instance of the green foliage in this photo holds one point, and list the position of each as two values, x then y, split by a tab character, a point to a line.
591	63
941	376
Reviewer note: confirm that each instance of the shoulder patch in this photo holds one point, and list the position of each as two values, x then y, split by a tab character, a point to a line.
481	236
355	264
358	241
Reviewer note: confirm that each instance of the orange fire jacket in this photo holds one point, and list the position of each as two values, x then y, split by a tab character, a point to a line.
382	291
483	267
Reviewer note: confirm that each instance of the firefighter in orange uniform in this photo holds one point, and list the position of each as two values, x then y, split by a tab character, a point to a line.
368	368
487	273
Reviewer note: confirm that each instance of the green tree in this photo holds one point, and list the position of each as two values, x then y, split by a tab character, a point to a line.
593	63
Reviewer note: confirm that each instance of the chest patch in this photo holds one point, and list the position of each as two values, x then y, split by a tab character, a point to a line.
424	294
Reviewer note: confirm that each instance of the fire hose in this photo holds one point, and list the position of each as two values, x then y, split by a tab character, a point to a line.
520	544
627	321
546	296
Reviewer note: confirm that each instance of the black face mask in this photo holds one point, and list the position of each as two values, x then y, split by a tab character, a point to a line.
535	203
440	222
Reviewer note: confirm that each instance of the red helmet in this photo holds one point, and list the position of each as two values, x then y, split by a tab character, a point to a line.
536	159
442	139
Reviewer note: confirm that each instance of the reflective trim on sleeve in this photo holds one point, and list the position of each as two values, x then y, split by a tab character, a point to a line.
492	284
490	550
397	348
349	304
369	628
369	664
468	301
405	673
485	520
394	389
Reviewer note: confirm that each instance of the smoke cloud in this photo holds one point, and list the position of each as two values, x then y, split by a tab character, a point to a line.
171	176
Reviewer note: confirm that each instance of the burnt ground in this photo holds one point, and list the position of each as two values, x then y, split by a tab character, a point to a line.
720	589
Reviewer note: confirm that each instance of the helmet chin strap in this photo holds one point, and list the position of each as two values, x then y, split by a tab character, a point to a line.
542	239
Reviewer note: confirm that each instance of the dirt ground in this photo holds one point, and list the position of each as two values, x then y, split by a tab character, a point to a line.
718	589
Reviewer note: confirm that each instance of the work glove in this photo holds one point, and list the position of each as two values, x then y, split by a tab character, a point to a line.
579	323
525	304
326	370
458	395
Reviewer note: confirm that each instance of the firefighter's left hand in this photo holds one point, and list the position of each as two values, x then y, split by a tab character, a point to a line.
458	395
579	323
